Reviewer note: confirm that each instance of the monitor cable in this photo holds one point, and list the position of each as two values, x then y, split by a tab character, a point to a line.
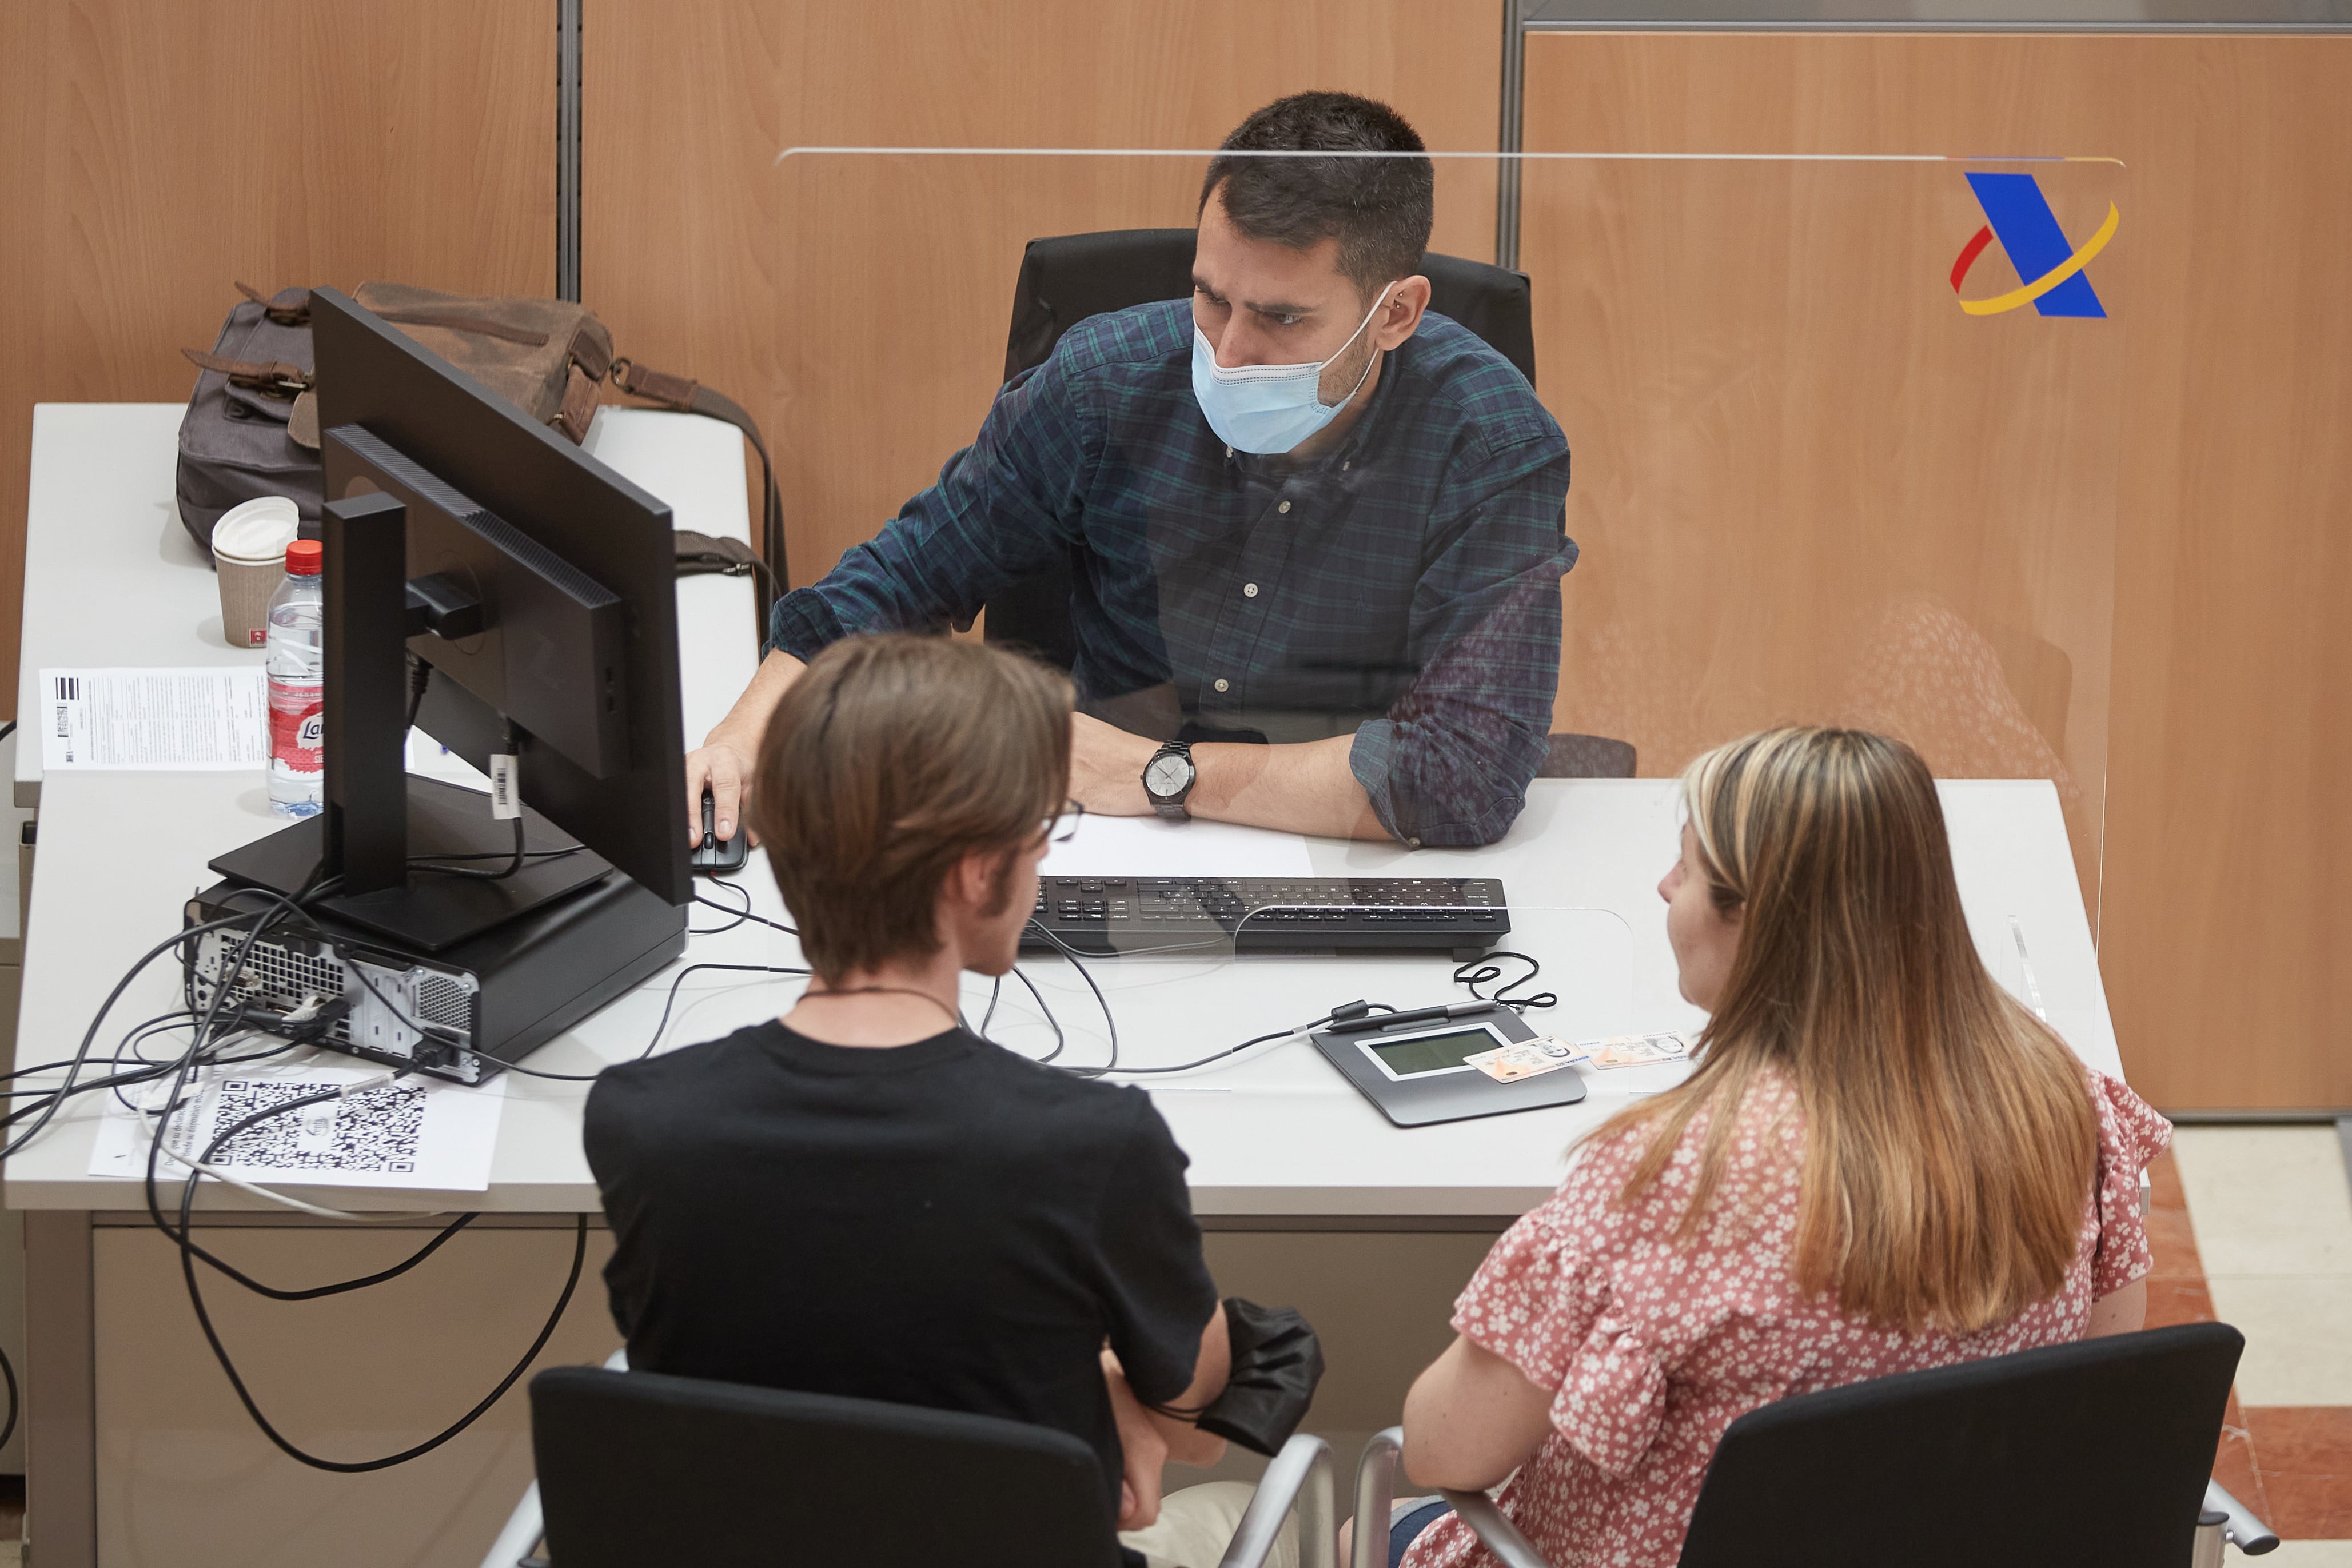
201	1040
659	1028
1344	1013
743	914
236	1381
996	988
1101	1001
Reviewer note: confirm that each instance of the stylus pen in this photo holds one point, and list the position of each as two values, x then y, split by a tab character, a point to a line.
1411	1015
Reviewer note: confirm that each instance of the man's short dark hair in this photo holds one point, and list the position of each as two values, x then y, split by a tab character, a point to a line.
1378	208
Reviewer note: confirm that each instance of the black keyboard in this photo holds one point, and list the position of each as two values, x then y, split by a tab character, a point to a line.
1111	914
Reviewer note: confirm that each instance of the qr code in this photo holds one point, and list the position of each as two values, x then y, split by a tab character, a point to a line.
375	1130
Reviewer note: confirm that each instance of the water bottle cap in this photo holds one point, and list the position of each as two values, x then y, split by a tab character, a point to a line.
304	557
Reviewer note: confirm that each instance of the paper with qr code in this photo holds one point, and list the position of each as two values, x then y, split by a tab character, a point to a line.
417	1133
1638	1050
1526	1059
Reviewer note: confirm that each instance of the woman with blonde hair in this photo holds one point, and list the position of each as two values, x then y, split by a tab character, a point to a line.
1880	1162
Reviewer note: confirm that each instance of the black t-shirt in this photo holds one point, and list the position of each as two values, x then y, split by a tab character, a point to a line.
944	1224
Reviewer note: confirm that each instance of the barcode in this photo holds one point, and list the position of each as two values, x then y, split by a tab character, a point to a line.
68	688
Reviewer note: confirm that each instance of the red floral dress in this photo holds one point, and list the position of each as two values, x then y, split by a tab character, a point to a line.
1651	1348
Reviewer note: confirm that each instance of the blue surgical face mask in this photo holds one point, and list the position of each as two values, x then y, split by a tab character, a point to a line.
1269	409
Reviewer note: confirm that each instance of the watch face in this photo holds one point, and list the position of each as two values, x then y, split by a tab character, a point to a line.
1168	774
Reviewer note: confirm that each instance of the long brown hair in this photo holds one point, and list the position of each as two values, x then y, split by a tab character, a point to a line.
1950	1141
888	761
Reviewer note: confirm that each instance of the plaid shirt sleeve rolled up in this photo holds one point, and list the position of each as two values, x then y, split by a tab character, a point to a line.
1402	589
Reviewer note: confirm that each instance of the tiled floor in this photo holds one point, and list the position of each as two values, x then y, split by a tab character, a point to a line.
2253	1226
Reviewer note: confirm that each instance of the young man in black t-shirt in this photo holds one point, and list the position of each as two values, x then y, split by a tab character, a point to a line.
865	1197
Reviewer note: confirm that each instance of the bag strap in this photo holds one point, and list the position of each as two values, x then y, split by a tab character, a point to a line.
271	378
578	406
287	307
690	396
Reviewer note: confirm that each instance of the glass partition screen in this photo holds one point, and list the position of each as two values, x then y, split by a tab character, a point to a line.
1826	440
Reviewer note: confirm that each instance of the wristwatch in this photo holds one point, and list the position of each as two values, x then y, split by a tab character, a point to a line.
1167	778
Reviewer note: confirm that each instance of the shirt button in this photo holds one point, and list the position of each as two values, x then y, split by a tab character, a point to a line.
1284	507
1413	843
1249	590
1224	684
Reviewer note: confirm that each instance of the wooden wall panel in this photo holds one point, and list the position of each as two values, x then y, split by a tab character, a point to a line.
859	306
157	151
2224	936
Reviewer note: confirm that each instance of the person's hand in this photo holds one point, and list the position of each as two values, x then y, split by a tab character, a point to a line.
726	768
724	762
1143	1450
1106	767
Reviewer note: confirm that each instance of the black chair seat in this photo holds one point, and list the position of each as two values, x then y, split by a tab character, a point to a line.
635	1468
2091	1453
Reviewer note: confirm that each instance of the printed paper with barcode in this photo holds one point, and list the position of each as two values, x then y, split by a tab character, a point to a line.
202	719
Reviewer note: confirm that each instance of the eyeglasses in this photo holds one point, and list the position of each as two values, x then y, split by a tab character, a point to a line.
1063	825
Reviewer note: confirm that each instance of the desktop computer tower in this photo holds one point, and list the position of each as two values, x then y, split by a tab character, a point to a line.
464	1012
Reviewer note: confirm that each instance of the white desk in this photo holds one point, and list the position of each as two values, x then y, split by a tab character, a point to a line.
1279	1144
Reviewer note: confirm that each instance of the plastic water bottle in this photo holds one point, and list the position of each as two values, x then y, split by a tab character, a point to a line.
296	678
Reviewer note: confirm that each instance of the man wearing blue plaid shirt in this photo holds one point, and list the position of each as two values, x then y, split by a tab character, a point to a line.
1318	533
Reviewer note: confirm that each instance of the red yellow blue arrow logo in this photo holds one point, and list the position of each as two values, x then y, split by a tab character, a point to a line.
2020	218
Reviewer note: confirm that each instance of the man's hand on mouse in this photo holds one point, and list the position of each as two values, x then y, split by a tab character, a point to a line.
729	751
724	767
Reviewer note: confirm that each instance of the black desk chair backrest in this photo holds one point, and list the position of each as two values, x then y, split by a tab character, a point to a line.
636	1468
2096	1452
1069	277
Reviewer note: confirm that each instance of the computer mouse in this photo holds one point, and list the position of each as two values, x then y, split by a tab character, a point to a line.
715	856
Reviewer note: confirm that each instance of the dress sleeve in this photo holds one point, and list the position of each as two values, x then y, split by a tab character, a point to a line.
1547	1299
2130	1134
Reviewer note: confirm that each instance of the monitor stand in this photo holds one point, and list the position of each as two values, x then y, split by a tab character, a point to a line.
428	909
378	820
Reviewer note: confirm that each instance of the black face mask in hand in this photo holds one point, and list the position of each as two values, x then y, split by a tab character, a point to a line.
1277	1362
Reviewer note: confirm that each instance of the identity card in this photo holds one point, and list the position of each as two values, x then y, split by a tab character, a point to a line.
1639	1050
1526	1059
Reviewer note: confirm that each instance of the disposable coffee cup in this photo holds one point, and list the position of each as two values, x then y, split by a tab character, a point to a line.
249	552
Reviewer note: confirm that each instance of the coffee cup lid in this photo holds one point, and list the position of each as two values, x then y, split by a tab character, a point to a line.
258	530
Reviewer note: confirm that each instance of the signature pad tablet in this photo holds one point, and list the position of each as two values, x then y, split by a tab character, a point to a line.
1415	1074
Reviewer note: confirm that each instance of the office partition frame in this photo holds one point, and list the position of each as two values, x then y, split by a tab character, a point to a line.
1522	18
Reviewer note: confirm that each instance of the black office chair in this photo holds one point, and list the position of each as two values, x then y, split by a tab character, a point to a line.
637	1467
1068	277
2093	1453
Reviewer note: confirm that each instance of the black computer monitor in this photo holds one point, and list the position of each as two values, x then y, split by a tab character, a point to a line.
553	582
